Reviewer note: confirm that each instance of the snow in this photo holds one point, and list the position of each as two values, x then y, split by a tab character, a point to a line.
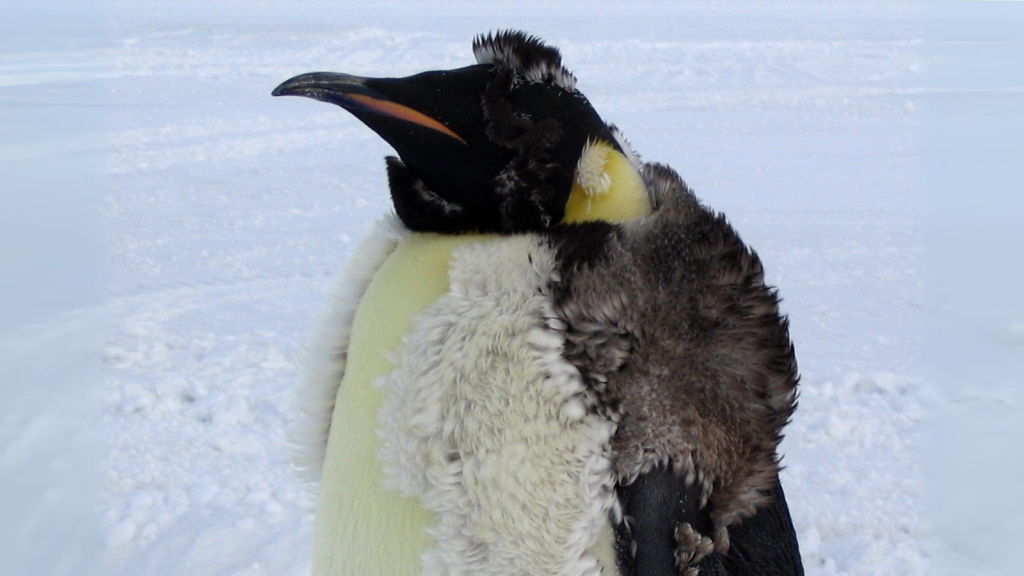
228	212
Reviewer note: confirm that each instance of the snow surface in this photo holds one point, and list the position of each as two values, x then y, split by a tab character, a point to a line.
229	211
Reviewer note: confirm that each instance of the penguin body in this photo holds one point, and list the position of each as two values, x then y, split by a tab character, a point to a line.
554	361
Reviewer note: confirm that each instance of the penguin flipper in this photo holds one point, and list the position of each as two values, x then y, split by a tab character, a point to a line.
659	509
665	531
765	543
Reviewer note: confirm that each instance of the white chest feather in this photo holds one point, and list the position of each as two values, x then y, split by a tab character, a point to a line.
459	443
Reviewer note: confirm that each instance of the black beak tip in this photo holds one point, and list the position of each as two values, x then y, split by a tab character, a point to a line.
298	86
318	85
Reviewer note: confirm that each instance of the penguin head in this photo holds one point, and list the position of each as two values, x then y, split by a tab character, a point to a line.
506	145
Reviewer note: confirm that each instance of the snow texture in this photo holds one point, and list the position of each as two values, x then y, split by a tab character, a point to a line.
229	211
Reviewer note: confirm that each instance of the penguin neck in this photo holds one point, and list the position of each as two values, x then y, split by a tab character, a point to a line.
606	188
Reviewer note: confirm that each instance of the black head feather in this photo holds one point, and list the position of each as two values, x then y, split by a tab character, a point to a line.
527	56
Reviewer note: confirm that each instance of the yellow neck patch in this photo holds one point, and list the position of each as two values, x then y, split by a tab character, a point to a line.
606	187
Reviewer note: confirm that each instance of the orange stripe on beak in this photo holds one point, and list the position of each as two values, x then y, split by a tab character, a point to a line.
401	112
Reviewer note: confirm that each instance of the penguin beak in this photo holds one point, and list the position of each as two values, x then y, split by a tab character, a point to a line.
352	93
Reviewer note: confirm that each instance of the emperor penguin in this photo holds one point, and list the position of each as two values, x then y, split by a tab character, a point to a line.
553	359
